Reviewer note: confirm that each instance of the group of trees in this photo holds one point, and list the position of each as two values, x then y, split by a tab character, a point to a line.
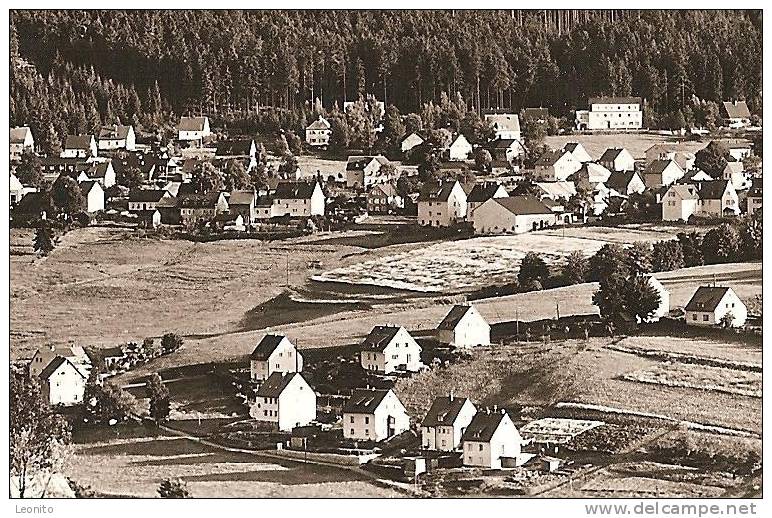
95	67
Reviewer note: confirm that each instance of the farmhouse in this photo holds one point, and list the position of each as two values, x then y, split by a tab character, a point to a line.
441	205
735	114
590	175
717	199
577	150
116	137
45	355
63	382
146	199
662	172
505	150
626	182
389	349
318	133
243	203
285	400
712	305
556	166
483	192
364	171
79	146
679	202
193	129
464	327
274	353
445	423
506	126
201	207
298	199
459	149
491	440
384	198
374	415
21	140
94	195
512	215
617	159
411	141
621	113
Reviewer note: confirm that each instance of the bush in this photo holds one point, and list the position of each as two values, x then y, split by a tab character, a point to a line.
173	489
170	342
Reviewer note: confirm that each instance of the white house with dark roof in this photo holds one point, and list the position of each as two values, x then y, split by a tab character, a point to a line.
512	215
445	422
505	125
663	309
374	415
619	113
590	175
577	150
709	305
617	159
459	149
298	199
16	189
63	382
409	142
662	172
193	129
679	202
365	171
483	192
20	140
555	166
735	173
389	349
79	146
94	195
117	137
146	199
556	190
383	198
464	327
244	203
44	355
274	353
442	205
318	133
286	400
735	114
626	182
505	150
490	438
717	199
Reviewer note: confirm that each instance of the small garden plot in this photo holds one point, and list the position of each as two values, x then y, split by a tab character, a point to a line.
458	266
555	430
607	483
700	377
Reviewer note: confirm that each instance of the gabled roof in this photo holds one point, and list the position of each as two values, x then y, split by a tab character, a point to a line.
358	162
454	316
275	384
86	187
713	190
380	337
54	364
444	411
611	154
244	197
756	188
551	157
557	189
734	167
521	205
199	201
482	192
619	180
593	172
19	134
706	298
736	109
115	132
613	100
504	121
78	142
388	189
659	165
147	195
319	124
31	203
266	347
241	147
698	175
191	123
98	169
294	190
365	401
483	426
685	191
503	143
434	192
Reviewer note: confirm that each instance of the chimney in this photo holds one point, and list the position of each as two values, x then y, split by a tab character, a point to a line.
495	408
450	395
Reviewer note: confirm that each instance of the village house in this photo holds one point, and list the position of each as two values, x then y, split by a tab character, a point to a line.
201	207
230	221
464	327
441	205
590	175
146	199
626	182
30	207
298	200
735	114
735	173
79	146
116	137
389	349
754	197
46	354
52	167
243	203
150	167
577	150
383	198
274	353
374	415
505	150
717	199
101	172
512	215
459	149
21	140
285	400
555	166
556	191
506	126
662	172
483	192
63	382
318	133
364	171
679	202
620	113
235	148
445	423
739	149
710	305
617	159
16	189
491	440
409	142
148	218
663	309
668	151
193	129
697	176
94	196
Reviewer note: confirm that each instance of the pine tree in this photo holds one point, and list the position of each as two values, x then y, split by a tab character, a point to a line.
44	241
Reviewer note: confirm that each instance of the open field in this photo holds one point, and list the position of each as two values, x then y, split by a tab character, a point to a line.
635	143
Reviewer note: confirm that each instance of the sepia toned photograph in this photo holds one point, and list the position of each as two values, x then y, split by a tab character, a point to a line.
386	253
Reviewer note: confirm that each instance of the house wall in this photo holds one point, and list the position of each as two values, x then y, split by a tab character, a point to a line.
65	386
730	302
674	208
614	116
374	426
492	218
754	204
716	208
459	150
318	137
505	442
472	330
95	201
402	350
448	437
297	405
285	358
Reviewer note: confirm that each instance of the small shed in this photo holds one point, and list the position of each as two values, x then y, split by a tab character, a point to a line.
549	464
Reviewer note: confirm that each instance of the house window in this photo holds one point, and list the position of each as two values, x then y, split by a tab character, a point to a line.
481	447
704	318
352	418
367	420
352	432
694	316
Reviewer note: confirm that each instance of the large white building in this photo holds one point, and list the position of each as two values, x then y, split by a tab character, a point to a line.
389	349
464	327
79	146
274	353
505	125
607	113
117	137
445	423
285	400
512	215
374	415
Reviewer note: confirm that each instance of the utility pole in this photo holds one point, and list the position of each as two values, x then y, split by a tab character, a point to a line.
557	308
286	255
